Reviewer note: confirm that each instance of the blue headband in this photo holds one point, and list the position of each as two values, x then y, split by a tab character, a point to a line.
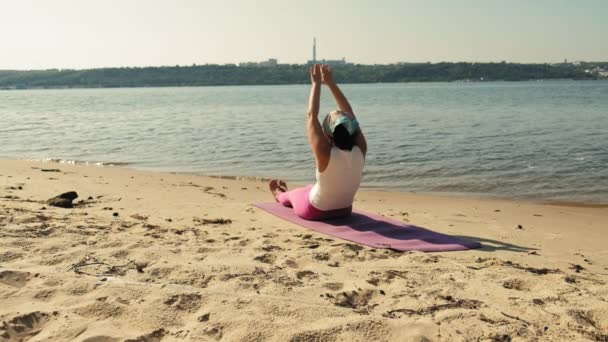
348	122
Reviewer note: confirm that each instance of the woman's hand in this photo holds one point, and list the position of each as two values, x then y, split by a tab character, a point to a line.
326	75
315	74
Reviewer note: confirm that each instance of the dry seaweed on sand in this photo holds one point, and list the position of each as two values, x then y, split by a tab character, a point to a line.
515	318
508	263
453	303
577	268
50	170
204	221
583	317
104	269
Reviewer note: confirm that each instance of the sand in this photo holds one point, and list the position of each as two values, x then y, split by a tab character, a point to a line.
167	257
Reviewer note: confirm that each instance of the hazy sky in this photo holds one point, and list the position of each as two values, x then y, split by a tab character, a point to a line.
37	34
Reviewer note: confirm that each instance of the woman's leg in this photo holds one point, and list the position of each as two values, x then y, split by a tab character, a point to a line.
299	200
296	199
283	198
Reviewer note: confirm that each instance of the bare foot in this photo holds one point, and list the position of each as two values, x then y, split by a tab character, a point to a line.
277	186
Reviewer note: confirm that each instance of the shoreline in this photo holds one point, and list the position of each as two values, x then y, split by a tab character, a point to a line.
371	188
146	255
465	81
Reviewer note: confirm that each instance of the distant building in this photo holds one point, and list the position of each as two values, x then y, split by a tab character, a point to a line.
271	62
334	62
597	71
330	62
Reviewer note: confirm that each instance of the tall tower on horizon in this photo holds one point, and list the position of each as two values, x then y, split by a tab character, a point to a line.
314	49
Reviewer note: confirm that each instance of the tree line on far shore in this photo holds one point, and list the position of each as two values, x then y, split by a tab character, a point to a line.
219	75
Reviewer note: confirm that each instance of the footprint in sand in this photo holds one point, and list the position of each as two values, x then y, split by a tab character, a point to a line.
266	258
14	278
184	301
358	301
290	263
309	275
515	284
24	327
333	286
321	256
270	248
45	294
215	332
154	336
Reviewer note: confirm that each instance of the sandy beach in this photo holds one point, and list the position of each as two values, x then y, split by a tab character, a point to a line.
147	256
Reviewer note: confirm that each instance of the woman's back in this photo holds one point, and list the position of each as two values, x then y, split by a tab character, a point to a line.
337	185
339	151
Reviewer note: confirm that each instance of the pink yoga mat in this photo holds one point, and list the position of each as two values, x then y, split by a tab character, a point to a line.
376	231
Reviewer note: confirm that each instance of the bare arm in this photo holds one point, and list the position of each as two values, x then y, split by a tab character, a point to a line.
314	99
341	100
343	104
318	142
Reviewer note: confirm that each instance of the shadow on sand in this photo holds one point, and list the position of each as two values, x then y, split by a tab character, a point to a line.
489	245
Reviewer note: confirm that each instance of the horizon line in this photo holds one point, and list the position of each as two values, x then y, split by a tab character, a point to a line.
297	64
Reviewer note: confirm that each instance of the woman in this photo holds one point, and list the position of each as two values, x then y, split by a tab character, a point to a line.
339	148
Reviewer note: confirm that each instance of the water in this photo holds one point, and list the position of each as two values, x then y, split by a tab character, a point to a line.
531	140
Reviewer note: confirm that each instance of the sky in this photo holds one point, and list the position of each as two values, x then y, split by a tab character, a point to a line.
77	34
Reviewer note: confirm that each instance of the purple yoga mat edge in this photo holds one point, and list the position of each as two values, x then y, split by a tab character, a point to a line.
457	244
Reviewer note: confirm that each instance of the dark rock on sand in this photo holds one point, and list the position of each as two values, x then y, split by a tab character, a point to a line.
577	268
64	200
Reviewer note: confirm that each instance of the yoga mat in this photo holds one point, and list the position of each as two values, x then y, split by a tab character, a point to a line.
376	231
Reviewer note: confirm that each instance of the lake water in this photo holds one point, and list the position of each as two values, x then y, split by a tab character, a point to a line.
532	140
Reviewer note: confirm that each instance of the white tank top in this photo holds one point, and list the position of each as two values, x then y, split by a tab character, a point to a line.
337	185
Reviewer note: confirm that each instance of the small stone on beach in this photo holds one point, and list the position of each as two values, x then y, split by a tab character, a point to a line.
64	200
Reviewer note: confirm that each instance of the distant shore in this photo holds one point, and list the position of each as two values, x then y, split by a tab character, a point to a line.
287	84
283	74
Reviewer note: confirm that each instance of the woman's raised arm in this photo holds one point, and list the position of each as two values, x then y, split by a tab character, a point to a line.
328	79
343	104
318	142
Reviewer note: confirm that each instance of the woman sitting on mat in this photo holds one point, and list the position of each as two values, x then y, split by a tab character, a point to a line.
339	148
